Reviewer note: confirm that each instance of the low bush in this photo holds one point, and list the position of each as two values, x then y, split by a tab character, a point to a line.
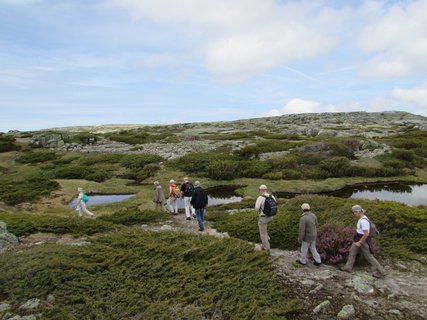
131	216
223	169
7	143
334	242
148	275
82	138
140	175
28	189
92	173
21	224
139	160
36	156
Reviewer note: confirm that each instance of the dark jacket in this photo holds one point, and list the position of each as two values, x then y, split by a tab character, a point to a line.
186	189
199	200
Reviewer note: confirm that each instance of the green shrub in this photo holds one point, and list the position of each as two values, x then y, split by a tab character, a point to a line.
130	137
336	166
28	189
131	216
139	160
37	156
93	159
148	275
249	151
198	162
92	173
7	143
21	224
223	169
82	138
253	168
291	174
140	175
275	145
273	176
289	161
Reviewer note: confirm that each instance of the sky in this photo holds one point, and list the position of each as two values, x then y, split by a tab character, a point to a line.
92	62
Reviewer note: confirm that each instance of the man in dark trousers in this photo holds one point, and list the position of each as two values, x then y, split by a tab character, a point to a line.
199	201
187	190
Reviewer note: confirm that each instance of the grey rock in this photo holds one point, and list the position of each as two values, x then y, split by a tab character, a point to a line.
347	312
79	244
50	299
307	282
7	239
317	289
31	304
166	227
4	307
321	306
327	133
396	312
28	317
362	284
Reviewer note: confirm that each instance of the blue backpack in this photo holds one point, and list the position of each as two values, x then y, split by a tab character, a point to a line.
85	198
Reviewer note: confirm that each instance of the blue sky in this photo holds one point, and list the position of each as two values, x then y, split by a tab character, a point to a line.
66	63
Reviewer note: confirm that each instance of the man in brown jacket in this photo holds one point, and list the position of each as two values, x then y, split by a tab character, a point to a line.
307	235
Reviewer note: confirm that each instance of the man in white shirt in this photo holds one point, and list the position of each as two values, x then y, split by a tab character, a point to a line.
362	242
264	220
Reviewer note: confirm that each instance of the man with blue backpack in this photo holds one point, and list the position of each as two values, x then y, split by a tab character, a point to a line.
82	199
266	206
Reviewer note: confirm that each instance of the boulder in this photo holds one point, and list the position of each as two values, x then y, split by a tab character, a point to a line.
7	239
321	306
30	305
347	312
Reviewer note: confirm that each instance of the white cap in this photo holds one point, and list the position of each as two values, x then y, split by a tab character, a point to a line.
186	179
197	183
263	187
305	206
79	189
357	208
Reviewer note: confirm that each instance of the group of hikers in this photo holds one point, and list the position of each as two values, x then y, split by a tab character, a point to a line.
196	200
194	196
266	207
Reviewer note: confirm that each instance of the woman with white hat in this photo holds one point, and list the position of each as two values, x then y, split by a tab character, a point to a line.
81	204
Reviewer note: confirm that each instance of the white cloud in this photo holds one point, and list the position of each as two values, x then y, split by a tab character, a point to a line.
301	106
412	97
397	39
241	38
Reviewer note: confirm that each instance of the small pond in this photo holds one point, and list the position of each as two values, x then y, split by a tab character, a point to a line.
102	199
412	194
219	195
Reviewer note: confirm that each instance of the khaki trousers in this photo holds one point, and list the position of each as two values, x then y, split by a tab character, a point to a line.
354	250
263	232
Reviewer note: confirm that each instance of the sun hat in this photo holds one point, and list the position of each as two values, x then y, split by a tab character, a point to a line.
305	207
357	208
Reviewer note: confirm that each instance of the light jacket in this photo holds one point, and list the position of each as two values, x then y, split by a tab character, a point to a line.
307	227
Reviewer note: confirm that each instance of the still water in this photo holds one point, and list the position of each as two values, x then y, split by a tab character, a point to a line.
410	194
103	199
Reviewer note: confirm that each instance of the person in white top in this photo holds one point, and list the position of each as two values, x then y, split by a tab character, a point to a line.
362	242
263	219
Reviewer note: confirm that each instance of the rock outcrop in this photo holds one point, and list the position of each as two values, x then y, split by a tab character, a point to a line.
7	239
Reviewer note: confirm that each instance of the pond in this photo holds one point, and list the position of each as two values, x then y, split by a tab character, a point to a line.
102	199
218	195
408	193
412	194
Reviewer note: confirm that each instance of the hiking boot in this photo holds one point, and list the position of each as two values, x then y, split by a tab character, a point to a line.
317	264
194	216
377	274
345	269
188	218
201	230
299	261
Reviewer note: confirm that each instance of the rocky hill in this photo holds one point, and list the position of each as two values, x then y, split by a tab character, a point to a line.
175	140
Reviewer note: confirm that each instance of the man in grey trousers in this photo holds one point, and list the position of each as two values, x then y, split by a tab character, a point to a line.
307	235
263	219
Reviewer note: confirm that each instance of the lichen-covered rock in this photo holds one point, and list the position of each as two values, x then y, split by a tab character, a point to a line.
347	312
7	239
321	306
30	305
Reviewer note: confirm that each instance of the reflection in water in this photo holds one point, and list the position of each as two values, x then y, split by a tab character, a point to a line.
102	199
410	194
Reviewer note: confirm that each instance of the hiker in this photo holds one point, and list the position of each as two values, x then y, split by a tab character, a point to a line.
266	207
81	204
307	235
159	197
362	242
199	202
187	189
172	199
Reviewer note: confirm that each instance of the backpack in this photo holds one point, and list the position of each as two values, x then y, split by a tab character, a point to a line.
270	206
176	191
373	231
189	188
85	198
